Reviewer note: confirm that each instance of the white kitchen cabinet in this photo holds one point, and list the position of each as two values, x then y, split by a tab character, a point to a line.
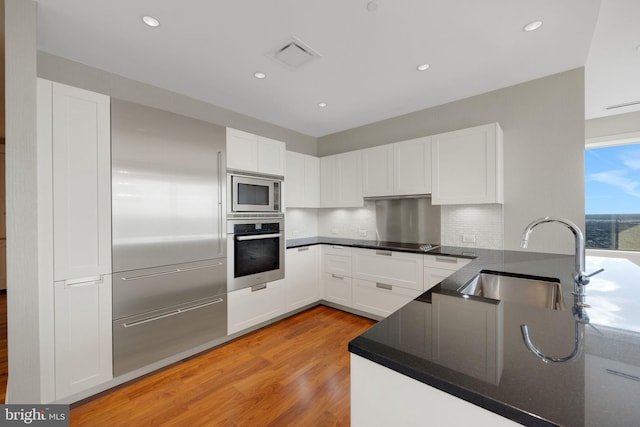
271	156
336	274
467	166
439	267
81	134
377	171
74	133
401	168
253	153
341	180
83	356
412	166
302	276
389	267
373	405
381	298
302	181
250	306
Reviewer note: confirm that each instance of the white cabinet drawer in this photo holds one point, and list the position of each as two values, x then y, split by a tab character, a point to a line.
380	298
433	276
249	306
337	289
394	268
336	250
445	262
339	265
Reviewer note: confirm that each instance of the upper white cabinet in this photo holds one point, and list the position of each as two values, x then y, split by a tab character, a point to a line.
253	153
402	168
377	171
81	131
302	181
467	166
341	180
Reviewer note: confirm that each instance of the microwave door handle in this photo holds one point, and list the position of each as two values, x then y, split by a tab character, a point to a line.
258	236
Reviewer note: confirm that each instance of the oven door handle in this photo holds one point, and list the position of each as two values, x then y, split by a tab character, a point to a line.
258	236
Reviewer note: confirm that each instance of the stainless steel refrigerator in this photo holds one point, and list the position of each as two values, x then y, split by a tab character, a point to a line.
169	235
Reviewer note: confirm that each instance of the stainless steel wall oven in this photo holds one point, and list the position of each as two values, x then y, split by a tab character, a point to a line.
256	251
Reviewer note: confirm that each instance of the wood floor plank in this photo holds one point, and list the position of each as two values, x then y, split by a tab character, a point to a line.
292	373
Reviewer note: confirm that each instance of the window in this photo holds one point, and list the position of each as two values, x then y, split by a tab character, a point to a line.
612	196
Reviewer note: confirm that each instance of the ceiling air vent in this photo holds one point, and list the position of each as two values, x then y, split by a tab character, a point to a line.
294	54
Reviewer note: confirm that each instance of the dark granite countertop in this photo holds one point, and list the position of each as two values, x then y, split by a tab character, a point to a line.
374	244
600	387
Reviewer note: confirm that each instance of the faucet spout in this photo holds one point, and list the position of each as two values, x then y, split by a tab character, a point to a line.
579	274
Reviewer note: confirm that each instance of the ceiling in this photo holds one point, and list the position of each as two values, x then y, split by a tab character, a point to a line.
367	51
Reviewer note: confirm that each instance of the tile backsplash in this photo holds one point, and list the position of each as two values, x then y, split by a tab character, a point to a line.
478	226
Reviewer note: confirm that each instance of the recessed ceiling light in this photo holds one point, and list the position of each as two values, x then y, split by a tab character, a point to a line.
372	6
322	104
150	21
259	75
532	26
423	67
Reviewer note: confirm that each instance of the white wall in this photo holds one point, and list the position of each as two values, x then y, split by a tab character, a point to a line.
543	124
25	323
75	74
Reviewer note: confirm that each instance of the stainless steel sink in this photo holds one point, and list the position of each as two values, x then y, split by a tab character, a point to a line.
530	290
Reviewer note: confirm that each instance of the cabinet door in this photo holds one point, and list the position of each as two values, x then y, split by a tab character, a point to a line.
377	171
390	267
294	180
250	306
311	182
242	150
271	156
380	299
467	166
341	180
302	276
81	183
329	181
337	289
82	334
412	166
302	181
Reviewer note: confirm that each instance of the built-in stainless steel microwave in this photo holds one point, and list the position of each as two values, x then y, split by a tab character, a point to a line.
254	194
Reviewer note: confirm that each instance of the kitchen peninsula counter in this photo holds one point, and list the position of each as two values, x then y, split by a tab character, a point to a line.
600	387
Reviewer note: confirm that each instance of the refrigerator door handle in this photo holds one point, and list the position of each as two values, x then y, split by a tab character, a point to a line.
220	211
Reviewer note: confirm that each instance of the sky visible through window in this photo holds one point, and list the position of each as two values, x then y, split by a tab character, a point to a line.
612	183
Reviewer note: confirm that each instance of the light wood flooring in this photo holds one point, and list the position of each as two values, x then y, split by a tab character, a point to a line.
292	373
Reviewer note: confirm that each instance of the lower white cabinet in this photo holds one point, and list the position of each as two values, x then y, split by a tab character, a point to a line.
83	356
394	268
302	276
249	306
337	289
380	299
373	405
438	267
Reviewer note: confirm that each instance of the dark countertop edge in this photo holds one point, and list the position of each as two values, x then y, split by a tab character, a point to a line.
458	252
405	368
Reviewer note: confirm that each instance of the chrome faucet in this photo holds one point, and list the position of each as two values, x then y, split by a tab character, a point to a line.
580	280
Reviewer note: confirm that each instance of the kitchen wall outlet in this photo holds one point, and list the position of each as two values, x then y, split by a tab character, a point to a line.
468	238
295	233
362	232
335	231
